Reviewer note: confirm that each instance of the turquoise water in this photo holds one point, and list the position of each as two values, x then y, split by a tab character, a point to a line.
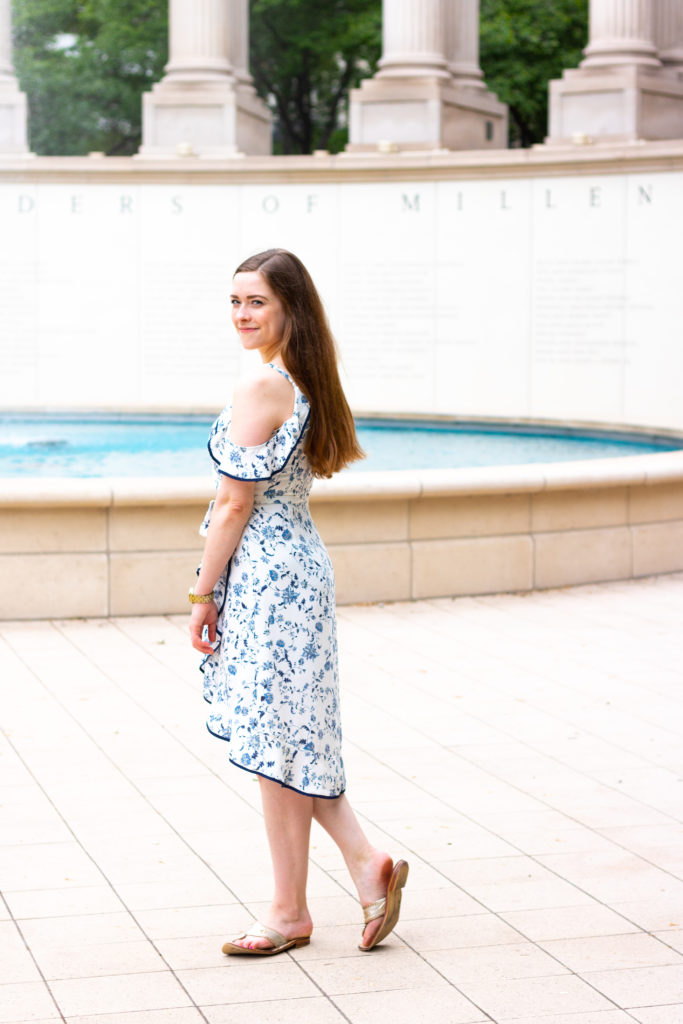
113	445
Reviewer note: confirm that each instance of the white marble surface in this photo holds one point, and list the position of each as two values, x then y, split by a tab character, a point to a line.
520	297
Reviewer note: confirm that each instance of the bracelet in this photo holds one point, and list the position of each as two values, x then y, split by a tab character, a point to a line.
199	598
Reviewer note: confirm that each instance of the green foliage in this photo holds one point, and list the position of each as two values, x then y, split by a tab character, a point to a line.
305	56
523	45
84	67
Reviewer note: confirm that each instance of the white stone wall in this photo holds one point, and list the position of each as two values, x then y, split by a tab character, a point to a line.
516	296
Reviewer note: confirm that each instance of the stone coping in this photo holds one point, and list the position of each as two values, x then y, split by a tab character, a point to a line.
541	160
105	492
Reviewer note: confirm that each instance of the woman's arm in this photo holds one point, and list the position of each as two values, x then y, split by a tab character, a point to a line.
231	510
260	405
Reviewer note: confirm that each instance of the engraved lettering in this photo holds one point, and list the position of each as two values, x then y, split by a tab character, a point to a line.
26	204
594	195
77	204
503	201
271	204
644	194
550	205
311	203
411	204
176	205
126	204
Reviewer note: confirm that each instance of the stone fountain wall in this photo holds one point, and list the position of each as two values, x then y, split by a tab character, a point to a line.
537	284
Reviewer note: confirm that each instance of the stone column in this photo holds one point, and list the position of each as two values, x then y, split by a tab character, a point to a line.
198	41
239	43
13	110
412	39
205	104
414	102
621	32
668	34
620	92
461	31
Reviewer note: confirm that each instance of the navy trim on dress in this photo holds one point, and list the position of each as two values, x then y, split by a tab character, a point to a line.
252	771
296	389
262	479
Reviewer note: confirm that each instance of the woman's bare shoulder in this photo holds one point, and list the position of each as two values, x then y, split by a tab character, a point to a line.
262	401
262	382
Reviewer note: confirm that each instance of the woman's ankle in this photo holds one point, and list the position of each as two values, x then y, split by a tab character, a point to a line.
370	873
290	911
360	859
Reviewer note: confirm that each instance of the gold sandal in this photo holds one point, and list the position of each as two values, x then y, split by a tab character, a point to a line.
261	931
387	908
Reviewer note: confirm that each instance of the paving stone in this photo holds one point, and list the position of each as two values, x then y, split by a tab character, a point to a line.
523	752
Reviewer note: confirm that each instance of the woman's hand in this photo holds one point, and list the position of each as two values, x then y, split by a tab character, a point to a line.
203	615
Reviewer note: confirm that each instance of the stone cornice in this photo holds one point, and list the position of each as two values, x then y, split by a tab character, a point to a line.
540	161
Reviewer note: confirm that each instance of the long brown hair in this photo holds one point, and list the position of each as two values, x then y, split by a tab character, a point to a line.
310	354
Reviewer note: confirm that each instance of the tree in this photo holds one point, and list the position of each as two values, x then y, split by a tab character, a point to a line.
84	67
305	56
523	45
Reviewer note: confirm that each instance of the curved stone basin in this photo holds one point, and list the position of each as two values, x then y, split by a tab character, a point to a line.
128	546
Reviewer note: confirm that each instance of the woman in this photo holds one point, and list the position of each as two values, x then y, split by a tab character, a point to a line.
263	608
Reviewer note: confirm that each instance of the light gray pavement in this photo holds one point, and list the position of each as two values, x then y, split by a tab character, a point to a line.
524	753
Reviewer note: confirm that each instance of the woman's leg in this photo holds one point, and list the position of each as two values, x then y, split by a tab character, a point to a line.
288	827
369	867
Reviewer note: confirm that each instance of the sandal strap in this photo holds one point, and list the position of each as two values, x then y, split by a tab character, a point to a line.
375	910
262	931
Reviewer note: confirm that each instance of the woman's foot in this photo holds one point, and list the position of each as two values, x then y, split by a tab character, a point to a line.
371	878
386	911
288	926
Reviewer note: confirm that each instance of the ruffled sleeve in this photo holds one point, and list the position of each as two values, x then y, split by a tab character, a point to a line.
256	462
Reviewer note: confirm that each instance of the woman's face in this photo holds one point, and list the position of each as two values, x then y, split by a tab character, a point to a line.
257	313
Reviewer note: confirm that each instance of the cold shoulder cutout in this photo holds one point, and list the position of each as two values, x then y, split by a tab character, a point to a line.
259	462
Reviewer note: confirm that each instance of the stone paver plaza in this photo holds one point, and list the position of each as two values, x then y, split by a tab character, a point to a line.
523	752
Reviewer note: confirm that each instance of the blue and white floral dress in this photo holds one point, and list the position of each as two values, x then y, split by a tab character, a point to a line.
273	683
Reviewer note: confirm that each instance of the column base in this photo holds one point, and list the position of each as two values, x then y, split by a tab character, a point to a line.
621	104
13	118
206	119
424	114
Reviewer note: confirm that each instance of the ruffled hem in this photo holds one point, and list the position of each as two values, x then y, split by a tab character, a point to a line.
285	785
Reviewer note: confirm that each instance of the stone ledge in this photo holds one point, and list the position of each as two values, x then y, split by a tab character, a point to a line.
128	546
434	165
637	470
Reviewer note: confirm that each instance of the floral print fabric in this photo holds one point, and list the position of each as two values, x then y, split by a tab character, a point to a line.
272	683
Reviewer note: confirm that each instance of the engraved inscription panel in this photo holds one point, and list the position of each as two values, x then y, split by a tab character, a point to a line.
557	297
